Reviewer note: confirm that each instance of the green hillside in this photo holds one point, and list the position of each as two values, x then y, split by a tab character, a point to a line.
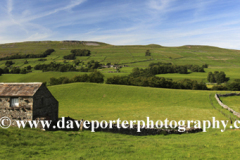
218	59
91	101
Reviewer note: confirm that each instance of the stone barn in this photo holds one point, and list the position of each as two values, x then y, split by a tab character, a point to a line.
27	101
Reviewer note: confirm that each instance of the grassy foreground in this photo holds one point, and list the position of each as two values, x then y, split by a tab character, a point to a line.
108	102
36	144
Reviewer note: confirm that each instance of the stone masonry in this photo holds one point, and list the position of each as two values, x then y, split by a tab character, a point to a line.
34	101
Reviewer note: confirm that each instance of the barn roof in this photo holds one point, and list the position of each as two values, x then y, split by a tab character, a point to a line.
19	89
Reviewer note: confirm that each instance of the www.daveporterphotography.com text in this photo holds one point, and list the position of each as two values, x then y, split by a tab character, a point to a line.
180	125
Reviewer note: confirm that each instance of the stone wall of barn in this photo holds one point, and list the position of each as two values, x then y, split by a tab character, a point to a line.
22	112
45	105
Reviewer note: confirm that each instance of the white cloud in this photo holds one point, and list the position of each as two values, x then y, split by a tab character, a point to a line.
159	4
73	4
9	6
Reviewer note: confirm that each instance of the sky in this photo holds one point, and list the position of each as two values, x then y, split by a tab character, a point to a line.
123	22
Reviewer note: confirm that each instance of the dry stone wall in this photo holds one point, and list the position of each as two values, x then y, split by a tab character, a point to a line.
225	106
146	131
129	131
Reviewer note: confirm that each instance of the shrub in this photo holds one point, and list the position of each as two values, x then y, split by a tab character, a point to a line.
96	76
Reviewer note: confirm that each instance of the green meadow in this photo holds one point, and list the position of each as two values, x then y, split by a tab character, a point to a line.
91	101
232	102
36	144
218	59
108	102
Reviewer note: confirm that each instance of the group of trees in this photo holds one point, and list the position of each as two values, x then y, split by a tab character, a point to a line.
95	77
233	86
77	52
163	68
15	70
42	59
159	82
146	77
9	63
90	66
196	68
55	67
217	77
147	53
22	56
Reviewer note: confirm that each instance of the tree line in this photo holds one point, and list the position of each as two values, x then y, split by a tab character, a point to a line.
77	52
95	77
55	67
15	70
159	82
233	86
90	66
146	77
22	56
163	68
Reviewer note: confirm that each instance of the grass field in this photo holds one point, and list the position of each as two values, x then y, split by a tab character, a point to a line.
92	101
109	102
106	102
218	59
232	102
35	144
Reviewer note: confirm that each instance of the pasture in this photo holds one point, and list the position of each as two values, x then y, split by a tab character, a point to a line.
90	101
108	102
232	102
218	59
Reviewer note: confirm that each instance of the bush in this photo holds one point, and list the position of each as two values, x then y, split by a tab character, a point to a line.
147	53
55	67
219	87
18	56
217	77
96	77
29	68
9	63
77	52
15	70
23	71
42	59
80	78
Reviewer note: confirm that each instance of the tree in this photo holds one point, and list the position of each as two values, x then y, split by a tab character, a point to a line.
6	70
210	74
217	77
9	63
23	71
1	71
29	67
96	76
25	62
148	53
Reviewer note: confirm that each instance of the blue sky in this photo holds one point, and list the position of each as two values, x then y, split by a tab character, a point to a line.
164	22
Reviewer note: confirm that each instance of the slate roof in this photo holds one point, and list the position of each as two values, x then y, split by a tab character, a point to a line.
19	89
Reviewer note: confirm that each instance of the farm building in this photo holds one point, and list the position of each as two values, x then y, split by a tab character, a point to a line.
27	101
